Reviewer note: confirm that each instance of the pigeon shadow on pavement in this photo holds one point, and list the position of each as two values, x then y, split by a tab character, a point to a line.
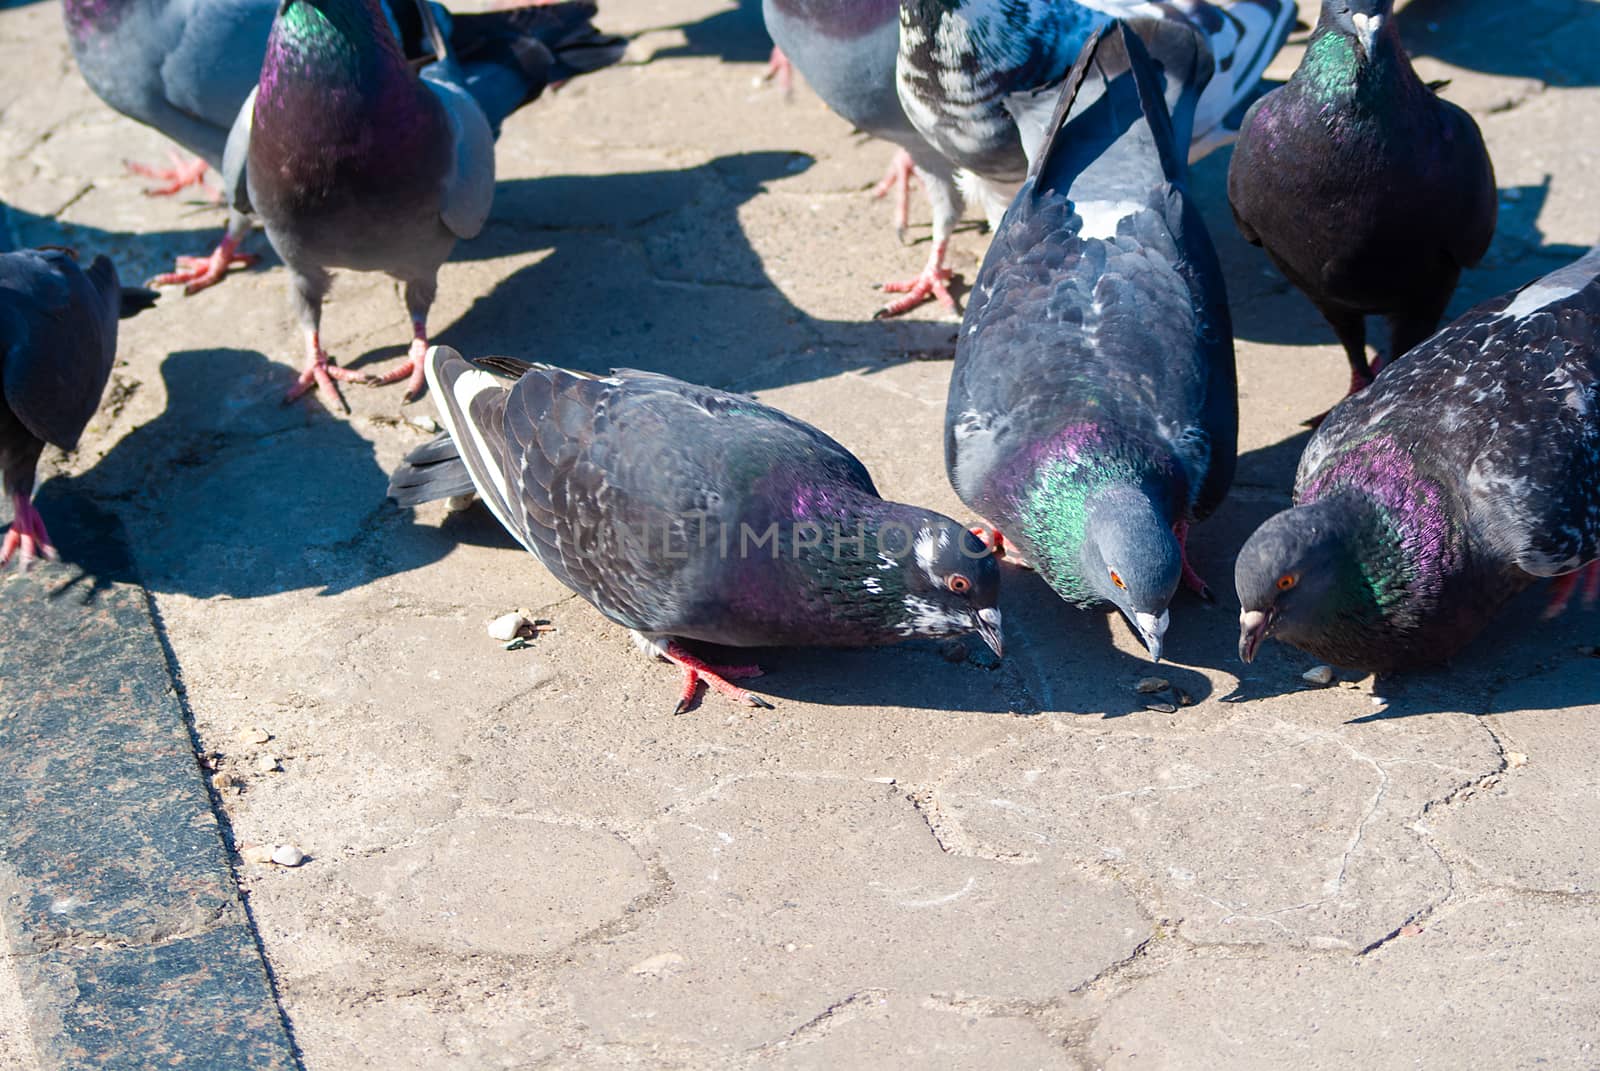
734	35
229	493
653	270
91	540
1533	39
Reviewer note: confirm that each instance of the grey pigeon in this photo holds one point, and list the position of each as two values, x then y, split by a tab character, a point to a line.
185	67
1093	411
979	78
353	160
1465	473
846	49
58	339
685	513
1367	191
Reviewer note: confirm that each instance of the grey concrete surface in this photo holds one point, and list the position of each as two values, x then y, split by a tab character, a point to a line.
524	860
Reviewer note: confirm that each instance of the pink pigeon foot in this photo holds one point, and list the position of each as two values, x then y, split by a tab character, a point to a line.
197	273
320	374
182	173
1561	589
996	543
696	670
1191	579
934	282
900	177
27	538
413	370
779	70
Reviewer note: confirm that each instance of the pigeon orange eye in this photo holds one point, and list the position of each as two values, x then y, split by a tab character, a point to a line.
1117	580
1287	581
958	584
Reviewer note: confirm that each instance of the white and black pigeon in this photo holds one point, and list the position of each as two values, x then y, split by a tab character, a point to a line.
979	78
185	67
686	513
58	339
1464	474
846	49
1093	412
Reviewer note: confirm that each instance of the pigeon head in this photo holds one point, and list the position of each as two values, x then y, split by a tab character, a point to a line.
1130	558
1305	575
1361	19
940	578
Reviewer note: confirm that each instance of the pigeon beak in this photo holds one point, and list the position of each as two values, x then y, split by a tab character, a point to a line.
988	625
1367	27
1151	629
1253	628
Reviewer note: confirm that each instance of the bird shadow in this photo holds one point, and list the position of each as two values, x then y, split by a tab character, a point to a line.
230	493
1473	34
654	270
734	35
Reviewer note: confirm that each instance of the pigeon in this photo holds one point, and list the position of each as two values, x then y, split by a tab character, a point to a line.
352	159
1093	410
1366	190
1462	475
980	78
846	49
686	513
58	339
185	68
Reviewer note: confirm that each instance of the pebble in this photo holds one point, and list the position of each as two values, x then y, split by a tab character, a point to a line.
267	764
510	626
288	855
1161	707
1516	758
457	503
424	424
256	853
226	782
255	736
1321	676
1151	685
657	965
1184	698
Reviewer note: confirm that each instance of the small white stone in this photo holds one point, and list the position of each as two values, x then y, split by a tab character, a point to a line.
288	855
508	626
1321	676
267	764
1516	758
255	736
657	965
256	853
424	423
457	503
1151	685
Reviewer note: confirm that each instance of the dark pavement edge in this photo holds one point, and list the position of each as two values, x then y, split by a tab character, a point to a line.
132	945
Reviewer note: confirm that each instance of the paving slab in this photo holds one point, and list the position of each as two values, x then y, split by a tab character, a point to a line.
920	858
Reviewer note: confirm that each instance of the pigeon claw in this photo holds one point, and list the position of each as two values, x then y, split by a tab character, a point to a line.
718	678
182	173
321	375
27	539
412	370
779	70
900	177
933	283
197	273
1191	579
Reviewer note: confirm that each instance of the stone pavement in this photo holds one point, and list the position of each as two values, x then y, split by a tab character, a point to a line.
523	859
